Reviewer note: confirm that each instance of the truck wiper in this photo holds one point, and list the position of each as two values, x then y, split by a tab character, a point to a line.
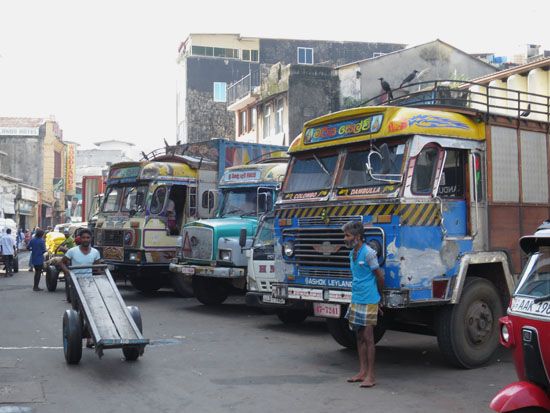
321	165
543	298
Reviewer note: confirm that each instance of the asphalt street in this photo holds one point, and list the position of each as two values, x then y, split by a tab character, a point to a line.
227	358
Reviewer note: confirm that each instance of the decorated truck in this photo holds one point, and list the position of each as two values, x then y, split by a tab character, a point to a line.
444	189
213	250
146	203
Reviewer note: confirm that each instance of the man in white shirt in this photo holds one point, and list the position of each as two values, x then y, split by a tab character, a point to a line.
8	247
82	254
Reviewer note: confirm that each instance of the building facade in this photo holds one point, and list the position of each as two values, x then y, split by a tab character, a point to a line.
210	63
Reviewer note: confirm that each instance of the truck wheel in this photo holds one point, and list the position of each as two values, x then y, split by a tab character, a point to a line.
467	332
52	276
292	316
210	291
132	353
182	285
16	264
72	337
146	285
339	330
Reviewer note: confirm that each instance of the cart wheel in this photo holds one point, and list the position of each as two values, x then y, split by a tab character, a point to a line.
52	276
132	353
72	337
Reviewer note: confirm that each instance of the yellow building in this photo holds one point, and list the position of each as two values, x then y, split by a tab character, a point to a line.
53	187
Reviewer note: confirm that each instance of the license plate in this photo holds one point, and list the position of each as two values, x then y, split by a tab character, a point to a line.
326	310
268	298
528	306
187	270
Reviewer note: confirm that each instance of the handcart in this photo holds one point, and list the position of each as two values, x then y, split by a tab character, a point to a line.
99	313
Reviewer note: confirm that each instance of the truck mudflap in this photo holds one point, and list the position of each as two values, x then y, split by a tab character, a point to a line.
207	271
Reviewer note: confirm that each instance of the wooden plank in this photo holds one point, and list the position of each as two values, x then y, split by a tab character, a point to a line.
504	232
118	315
97	308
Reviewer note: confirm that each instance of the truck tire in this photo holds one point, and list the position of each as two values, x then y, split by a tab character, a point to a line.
146	285
210	291
16	264
339	330
182	285
72	337
292	316
52	275
467	332
132	353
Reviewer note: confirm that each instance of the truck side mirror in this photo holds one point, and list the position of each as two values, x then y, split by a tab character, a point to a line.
242	237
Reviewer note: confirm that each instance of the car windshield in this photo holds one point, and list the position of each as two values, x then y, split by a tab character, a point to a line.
355	172
134	198
265	235
535	279
112	199
311	174
239	202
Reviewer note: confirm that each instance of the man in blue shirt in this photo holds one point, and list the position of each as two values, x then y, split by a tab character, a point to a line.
367	285
38	248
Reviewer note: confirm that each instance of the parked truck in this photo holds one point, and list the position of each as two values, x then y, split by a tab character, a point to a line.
213	250
444	185
146	203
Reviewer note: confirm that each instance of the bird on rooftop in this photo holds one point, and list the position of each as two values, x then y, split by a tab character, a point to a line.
526	112
386	87
409	78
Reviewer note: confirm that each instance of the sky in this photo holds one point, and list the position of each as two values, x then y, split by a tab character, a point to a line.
107	69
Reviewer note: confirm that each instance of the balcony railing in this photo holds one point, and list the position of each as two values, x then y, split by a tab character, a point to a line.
243	87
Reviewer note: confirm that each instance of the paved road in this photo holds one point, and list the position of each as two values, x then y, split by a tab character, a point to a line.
229	358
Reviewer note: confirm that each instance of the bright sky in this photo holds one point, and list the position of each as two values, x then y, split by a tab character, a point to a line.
106	69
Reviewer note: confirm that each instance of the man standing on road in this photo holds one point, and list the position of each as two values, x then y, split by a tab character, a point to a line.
9	248
38	248
362	314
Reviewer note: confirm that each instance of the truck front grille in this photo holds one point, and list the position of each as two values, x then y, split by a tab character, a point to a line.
198	243
112	238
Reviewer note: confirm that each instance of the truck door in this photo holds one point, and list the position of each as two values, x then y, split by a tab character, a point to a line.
452	193
207	194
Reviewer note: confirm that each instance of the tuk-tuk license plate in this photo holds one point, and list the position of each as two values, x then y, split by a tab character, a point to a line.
268	298
326	310
528	306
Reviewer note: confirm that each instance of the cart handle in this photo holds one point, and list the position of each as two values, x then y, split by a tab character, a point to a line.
81	267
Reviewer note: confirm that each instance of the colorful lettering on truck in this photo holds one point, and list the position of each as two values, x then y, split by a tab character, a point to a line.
213	250
438	194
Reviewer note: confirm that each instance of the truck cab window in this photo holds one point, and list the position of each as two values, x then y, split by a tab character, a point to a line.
134	198
424	171
452	180
157	200
112	199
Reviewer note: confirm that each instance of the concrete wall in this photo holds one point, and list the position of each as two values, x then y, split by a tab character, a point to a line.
229	41
25	157
326	53
435	60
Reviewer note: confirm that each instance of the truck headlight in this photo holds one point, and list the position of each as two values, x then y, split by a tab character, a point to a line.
505	333
134	256
288	249
225	255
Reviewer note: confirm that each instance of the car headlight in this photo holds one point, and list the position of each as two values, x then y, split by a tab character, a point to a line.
288	248
225	255
505	333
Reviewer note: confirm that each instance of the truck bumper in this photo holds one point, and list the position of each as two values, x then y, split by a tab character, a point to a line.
206	271
303	293
265	300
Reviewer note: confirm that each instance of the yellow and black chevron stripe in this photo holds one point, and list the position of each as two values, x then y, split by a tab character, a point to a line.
410	214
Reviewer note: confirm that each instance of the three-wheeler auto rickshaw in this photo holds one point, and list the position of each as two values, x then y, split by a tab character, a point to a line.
526	331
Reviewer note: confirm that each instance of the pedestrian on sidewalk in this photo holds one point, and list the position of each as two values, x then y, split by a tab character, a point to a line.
366	290
37	246
9	249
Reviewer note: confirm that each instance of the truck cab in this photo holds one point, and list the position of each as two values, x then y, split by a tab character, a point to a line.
213	250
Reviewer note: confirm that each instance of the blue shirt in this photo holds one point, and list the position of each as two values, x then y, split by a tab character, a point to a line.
38	248
364	289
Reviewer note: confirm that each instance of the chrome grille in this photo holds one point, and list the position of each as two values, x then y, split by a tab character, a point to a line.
333	220
112	238
307	272
198	243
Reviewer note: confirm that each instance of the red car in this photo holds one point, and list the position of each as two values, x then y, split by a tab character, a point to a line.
526	331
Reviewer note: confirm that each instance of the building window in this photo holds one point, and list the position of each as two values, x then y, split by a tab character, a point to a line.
250	55
243	122
253	118
279	116
305	55
254	55
215	52
246	55
220	92
267	121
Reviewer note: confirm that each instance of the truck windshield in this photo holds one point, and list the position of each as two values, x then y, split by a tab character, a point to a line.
265	236
134	198
535	280
311	174
355	173
112	199
241	201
